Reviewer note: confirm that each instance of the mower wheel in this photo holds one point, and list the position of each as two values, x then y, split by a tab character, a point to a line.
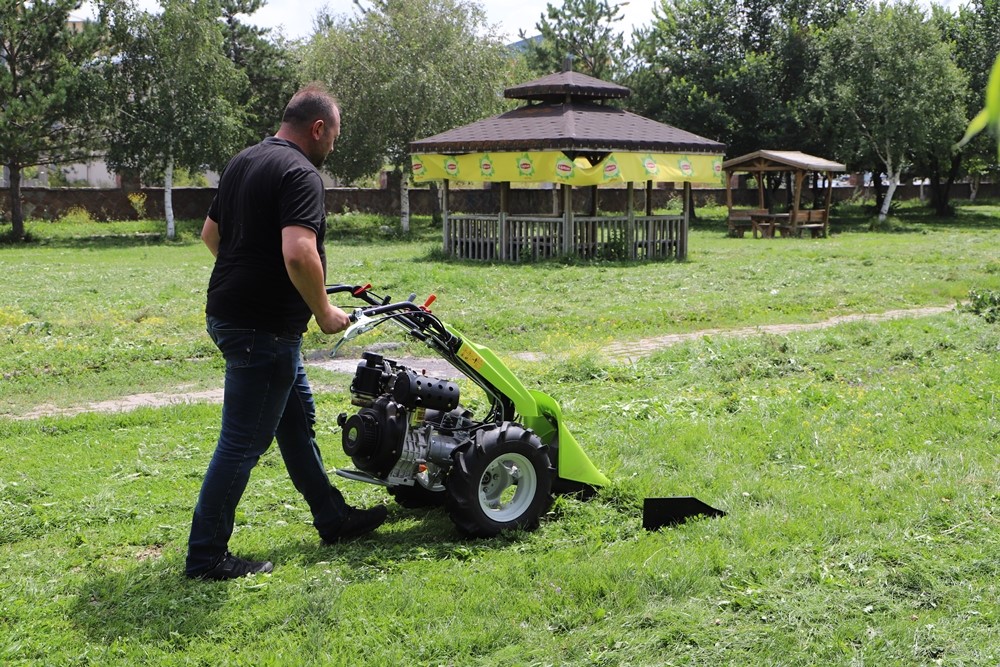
416	496
501	482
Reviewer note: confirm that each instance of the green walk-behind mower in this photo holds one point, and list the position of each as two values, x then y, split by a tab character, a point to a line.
413	436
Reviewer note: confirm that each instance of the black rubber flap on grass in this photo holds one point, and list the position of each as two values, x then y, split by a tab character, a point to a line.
660	512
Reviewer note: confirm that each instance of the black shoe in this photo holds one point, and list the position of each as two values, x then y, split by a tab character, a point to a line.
234	567
358	522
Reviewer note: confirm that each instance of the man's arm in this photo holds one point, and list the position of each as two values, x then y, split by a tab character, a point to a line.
210	235
305	268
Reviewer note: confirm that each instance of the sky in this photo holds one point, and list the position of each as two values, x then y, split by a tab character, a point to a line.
295	17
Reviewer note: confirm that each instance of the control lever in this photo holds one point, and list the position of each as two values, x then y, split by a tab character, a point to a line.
362	324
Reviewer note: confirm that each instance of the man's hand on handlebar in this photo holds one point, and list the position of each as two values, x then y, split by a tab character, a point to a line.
333	320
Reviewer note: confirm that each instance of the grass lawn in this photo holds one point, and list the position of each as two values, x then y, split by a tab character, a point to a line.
858	464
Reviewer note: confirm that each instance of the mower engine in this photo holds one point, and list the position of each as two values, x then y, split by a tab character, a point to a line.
408	427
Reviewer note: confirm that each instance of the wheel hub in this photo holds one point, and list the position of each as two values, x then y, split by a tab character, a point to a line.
507	487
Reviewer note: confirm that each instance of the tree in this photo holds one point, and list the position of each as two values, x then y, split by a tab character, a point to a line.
734	70
404	70
582	30
891	88
978	54
176	94
269	64
50	90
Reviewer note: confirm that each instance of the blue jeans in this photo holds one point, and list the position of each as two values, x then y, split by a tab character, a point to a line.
267	396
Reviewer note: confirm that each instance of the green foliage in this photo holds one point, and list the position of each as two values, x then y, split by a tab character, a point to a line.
889	90
176	91
269	64
138	202
985	303
734	70
857	465
404	70
583	30
76	215
51	92
989	117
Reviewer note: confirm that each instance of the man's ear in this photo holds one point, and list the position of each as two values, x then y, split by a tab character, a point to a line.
316	129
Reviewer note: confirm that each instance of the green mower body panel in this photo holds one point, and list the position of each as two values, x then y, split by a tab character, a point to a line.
536	410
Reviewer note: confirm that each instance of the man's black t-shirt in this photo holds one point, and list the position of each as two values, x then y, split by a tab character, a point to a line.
264	189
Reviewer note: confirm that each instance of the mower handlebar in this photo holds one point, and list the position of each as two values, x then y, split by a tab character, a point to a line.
379	306
417	319
389	308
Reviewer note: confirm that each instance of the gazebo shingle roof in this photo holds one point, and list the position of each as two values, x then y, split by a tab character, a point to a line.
568	117
557	86
781	160
569	126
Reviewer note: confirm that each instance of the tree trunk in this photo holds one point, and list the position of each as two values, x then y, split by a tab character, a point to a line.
168	197
16	212
974	186
883	212
877	188
689	204
941	192
404	202
435	203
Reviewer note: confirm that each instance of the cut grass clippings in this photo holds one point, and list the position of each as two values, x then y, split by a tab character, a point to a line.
857	465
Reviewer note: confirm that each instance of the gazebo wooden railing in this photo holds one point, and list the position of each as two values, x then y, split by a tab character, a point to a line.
509	237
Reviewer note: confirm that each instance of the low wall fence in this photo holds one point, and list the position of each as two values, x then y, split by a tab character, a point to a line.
193	203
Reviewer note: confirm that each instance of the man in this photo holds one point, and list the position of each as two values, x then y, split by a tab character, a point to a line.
265	228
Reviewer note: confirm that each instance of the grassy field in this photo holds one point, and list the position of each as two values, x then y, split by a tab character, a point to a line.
858	464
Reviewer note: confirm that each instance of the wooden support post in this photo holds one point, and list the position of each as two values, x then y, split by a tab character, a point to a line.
682	237
729	194
649	197
449	248
568	237
591	241
829	201
503	231
630	215
796	199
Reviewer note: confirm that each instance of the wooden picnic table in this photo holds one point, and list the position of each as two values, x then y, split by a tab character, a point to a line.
766	223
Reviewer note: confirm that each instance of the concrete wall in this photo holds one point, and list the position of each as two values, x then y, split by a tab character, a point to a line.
193	203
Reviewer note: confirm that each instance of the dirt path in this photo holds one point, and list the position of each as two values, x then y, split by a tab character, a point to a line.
618	352
636	349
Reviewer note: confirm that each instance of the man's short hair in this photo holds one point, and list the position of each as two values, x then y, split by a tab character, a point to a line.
311	103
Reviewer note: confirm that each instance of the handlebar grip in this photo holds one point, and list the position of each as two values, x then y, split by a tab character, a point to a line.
388	308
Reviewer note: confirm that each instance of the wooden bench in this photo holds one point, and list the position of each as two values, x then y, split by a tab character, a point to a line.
814	221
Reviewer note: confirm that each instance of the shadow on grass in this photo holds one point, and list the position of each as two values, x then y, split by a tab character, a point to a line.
909	217
113	241
408	535
914	217
151	601
104	236
361	229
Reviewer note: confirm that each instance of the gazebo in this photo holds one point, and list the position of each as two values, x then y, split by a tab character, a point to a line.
796	220
566	135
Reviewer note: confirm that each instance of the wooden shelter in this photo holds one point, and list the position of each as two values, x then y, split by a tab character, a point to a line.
568	136
761	220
